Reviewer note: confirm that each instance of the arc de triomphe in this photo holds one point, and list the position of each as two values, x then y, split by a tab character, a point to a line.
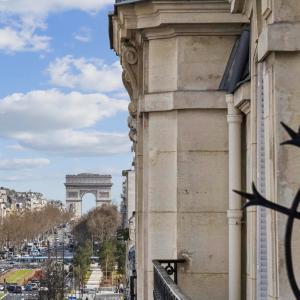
79	185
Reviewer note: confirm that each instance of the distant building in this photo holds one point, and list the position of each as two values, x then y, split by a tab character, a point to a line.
128	223
3	202
57	203
78	185
26	201
17	202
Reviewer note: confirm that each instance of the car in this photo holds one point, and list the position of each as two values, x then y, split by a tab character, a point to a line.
34	286
28	287
10	288
18	289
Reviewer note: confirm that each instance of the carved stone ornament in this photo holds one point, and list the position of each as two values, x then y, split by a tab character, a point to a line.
132	123
129	61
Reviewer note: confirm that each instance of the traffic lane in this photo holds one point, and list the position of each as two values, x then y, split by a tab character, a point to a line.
24	296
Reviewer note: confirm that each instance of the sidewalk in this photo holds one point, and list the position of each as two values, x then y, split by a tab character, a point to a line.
95	278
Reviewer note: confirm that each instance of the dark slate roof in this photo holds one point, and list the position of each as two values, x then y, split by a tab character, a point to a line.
237	70
119	2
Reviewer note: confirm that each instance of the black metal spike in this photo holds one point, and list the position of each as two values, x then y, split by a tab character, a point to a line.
290	131
295	141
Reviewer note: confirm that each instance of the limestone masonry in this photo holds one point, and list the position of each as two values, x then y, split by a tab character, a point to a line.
209	83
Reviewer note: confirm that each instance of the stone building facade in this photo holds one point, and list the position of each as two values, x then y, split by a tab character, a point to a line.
209	83
128	225
79	185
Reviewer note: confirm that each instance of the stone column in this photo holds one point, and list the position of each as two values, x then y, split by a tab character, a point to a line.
234	213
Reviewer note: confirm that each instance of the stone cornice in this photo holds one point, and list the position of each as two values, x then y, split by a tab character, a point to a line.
284	37
154	14
191	30
174	100
242	96
157	13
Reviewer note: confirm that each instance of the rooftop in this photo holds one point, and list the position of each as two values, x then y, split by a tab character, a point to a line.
90	175
127	1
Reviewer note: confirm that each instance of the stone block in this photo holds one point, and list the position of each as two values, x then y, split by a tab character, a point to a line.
162	237
202	61
286	10
162	184
202	181
205	286
163	131
205	237
162	65
202	130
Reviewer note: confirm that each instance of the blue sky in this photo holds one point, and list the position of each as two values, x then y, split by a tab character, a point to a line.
63	109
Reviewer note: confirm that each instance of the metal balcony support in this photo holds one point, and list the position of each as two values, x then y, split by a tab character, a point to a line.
165	280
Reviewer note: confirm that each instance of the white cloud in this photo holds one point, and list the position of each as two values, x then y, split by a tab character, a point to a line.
45	110
25	16
61	123
85	74
23	163
21	35
43	7
84	35
76	143
15	147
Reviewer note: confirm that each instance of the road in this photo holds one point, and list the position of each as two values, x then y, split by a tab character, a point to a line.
95	278
24	296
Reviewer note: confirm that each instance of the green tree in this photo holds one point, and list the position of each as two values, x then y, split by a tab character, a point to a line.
82	263
121	256
108	251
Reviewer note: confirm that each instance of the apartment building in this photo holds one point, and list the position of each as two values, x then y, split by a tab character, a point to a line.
209	83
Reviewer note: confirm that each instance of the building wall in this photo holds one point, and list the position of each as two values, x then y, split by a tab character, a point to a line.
181	153
181	141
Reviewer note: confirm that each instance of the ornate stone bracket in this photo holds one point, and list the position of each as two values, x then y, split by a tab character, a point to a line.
129	61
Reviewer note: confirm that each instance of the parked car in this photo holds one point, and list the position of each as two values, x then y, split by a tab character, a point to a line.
28	287
34	286
11	288
18	289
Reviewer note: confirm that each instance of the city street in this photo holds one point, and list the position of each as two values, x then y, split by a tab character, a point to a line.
95	278
24	296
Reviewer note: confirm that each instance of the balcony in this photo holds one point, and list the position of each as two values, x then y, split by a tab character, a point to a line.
165	280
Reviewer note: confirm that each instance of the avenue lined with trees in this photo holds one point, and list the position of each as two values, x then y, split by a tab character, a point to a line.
29	225
96	234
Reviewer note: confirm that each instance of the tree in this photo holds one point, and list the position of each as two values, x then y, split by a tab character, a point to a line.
82	263
99	224
107	256
54	277
28	225
103	222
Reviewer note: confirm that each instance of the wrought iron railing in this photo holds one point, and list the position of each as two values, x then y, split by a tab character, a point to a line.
165	280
